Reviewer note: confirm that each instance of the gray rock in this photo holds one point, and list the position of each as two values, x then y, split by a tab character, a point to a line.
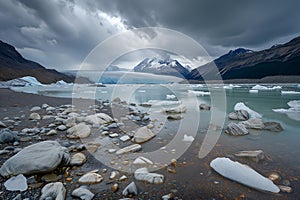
40	157
34	116
52	132
78	159
204	106
142	174
16	183
8	136
236	129
253	123
253	155
273	126
113	125
129	149
239	115
175	110
90	178
130	189
143	134
62	128
80	130
83	193
2	125
35	108
54	191
174	117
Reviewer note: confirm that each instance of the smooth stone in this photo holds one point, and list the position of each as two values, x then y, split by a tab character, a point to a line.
52	132
188	138
90	178
50	178
142	135
34	116
80	130
253	155
113	125
236	129
8	136
124	138
55	191
204	106
105	117
40	157
78	159
243	174
275	177
2	125
61	128
123	178
253	123
113	175
83	193
242	115
44	106
284	188
273	126
114	135
112	150
35	108
142	161
175	110
130	189
129	149
115	187
142	174
16	183
174	117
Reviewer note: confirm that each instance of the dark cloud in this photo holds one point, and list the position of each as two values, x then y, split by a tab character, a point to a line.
59	34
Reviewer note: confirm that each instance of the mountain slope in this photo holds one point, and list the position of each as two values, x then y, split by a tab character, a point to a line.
162	67
13	65
281	59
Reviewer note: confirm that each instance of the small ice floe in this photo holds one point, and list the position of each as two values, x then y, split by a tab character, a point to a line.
196	85
243	174
141	91
162	103
188	138
289	92
261	87
253	91
170	96
252	113
293	112
230	86
198	93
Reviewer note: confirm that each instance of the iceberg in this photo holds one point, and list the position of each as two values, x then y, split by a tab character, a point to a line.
293	112
252	113
31	81
243	174
260	87
198	93
289	92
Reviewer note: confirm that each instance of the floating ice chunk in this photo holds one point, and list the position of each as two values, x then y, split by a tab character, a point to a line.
260	87
293	112
198	93
162	103
289	92
188	138
31	81
252	113
253	91
243	174
170	96
231	86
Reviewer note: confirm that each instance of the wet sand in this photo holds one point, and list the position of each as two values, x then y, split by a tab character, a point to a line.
194	179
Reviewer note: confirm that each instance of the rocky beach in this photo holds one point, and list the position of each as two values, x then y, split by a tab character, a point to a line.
49	151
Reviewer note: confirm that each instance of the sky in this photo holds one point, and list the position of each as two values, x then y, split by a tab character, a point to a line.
60	34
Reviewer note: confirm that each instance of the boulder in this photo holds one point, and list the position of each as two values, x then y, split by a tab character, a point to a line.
242	115
253	155
83	193
273	126
128	149
37	158
236	129
243	174
142	174
8	136
80	130
142	135
55	191
253	123
130	189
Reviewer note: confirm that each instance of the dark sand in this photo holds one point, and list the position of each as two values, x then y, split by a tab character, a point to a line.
195	180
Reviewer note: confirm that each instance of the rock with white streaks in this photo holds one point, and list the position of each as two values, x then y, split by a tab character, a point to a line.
236	129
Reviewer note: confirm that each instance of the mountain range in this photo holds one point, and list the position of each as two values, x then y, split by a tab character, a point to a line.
279	60
13	65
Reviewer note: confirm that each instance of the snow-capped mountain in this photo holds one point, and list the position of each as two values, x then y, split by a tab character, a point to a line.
163	67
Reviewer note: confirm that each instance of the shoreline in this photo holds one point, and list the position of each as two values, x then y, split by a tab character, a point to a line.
195	180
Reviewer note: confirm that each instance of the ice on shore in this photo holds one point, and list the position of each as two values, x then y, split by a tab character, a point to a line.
293	112
170	96
252	113
243	174
198	93
261	87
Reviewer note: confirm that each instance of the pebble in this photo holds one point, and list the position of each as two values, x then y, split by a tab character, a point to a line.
83	193
62	128
90	178
113	175
52	132
16	183
34	116
284	188
78	159
130	189
53	191
35	108
115	187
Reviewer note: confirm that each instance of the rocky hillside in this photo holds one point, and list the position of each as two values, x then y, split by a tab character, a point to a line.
13	65
278	60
